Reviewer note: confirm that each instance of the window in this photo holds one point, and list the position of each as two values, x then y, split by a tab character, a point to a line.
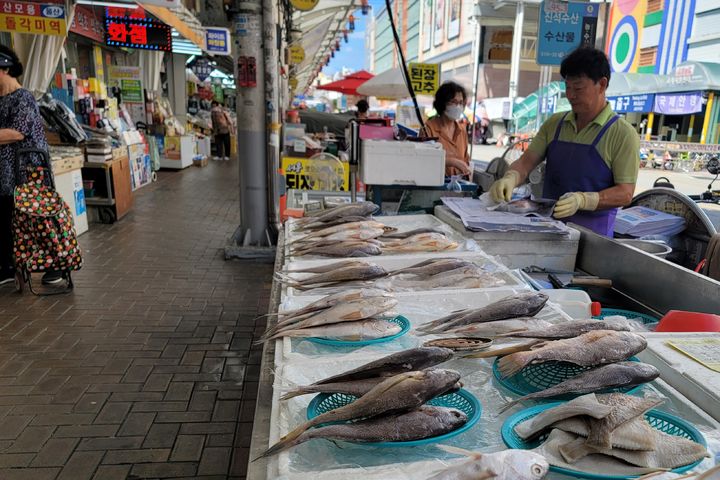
648	56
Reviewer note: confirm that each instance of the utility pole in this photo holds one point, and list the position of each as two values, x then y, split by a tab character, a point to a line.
252	237
515	54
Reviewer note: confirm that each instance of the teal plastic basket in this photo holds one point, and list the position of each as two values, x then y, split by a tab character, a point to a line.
608	312
662	421
400	320
461	400
541	376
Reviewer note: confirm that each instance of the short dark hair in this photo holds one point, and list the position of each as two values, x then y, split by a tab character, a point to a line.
16	69
587	61
445	93
215	102
363	106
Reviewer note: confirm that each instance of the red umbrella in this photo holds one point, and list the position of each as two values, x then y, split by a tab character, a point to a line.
349	84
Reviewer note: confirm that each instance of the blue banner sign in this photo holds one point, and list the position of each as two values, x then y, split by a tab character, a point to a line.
564	26
632	103
218	40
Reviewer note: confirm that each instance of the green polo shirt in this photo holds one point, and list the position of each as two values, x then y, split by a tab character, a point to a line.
619	147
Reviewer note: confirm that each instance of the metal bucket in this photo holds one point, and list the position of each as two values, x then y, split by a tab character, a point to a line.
659	249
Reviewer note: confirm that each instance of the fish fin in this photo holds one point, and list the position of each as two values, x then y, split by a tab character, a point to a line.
288	441
711	474
459	451
511	333
511	364
599	438
511	404
297	392
575	450
503	351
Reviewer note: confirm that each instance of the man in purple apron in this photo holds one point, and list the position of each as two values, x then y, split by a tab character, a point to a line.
592	155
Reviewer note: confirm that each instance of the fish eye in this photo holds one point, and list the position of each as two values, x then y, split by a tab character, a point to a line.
537	469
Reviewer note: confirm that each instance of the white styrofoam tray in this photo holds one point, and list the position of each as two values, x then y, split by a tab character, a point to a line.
488	264
403	223
419	308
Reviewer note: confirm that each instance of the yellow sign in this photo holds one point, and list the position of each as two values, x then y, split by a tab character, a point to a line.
34	18
297	54
297	176
293	83
304	5
424	77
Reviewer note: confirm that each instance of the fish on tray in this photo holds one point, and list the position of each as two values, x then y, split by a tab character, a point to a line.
520	305
349	249
464	277
349	273
401	393
598	347
428	268
289	316
524	206
572	328
614	375
423	242
356	388
357	209
425	422
351	226
505	465
368	329
503	328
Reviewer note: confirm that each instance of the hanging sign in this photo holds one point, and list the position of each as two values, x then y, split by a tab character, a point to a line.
303	5
202	68
297	177
424	77
128	79
34	18
218	40
565	26
88	24
136	33
296	54
293	82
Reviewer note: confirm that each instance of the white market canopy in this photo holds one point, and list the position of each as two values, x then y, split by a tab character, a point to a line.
320	28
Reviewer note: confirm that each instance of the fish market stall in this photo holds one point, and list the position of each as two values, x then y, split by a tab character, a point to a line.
364	337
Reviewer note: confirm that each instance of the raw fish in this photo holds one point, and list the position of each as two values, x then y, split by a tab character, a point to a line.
584	405
504	465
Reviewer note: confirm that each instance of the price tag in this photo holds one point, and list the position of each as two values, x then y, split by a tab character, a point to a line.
299	146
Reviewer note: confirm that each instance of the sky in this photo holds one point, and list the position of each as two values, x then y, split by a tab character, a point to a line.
352	54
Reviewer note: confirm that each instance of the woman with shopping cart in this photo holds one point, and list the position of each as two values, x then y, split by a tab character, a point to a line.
21	128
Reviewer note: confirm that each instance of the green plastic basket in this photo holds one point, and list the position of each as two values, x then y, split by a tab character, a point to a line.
662	421
461	400
400	320
608	312
541	376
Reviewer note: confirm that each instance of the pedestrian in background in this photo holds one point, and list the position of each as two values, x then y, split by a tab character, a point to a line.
221	124
21	127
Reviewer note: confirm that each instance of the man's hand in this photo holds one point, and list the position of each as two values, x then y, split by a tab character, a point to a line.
463	167
570	203
501	190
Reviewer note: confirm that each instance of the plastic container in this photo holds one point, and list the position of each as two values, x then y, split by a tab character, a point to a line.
386	162
575	303
680	321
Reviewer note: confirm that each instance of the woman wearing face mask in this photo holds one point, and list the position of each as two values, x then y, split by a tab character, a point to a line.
449	104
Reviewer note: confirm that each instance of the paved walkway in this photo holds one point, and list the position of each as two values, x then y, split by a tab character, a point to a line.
146	370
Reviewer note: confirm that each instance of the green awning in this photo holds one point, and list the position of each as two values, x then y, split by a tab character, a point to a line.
686	77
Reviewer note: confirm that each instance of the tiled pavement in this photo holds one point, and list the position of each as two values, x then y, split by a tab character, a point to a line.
147	370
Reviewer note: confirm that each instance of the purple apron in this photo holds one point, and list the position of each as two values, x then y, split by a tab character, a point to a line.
576	167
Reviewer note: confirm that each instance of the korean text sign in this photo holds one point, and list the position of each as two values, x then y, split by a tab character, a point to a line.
141	33
33	18
297	176
217	40
678	103
632	103
563	27
424	77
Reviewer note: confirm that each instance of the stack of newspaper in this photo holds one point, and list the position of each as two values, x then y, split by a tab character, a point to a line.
643	221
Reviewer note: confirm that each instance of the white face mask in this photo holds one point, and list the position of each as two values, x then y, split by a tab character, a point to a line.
454	112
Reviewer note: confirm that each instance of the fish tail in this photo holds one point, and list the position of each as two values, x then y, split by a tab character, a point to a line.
574	451
512	364
459	451
298	392
288	441
511	404
599	438
503	351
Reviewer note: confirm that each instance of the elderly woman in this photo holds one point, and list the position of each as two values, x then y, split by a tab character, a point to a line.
449	104
20	127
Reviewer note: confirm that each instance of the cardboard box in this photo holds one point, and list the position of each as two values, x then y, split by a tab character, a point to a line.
386	162
203	162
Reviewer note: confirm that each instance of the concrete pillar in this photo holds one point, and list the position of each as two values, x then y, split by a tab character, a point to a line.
177	87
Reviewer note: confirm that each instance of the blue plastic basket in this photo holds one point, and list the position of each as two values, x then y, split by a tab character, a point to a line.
540	376
461	400
400	320
608	312
662	421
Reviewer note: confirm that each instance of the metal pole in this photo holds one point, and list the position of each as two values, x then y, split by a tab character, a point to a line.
475	18
515	55
252	235
272	110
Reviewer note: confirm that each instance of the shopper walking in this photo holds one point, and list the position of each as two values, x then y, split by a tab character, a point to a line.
20	127
221	124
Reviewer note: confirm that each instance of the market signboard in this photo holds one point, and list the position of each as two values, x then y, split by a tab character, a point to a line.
33	18
88	24
128	79
424	77
297	54
296	177
563	27
202	68
678	103
141	34
632	103
217	40
304	5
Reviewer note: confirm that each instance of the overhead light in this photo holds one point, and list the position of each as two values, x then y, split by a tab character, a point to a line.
95	3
